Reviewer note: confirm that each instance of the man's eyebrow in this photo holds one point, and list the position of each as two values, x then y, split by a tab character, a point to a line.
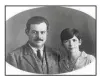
43	30
33	30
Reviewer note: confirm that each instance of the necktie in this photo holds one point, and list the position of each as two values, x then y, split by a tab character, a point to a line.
38	54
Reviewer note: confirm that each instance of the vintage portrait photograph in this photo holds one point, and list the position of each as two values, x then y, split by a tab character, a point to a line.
50	40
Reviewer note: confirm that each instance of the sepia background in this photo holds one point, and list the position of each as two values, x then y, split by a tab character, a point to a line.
59	18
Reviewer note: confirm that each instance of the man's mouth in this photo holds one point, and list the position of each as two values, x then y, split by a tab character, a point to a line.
38	41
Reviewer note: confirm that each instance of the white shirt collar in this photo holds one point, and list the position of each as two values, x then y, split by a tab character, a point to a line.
35	50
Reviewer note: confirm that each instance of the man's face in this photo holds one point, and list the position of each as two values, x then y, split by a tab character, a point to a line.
37	34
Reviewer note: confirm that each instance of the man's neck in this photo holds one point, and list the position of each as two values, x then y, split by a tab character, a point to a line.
35	49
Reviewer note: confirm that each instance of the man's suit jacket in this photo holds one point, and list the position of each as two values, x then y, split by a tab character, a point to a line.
25	59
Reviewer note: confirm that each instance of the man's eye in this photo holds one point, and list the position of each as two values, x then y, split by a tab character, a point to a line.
42	32
34	32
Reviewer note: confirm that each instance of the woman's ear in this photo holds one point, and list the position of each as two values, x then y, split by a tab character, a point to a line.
26	31
61	44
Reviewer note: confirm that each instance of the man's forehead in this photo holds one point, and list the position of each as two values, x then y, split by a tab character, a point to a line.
41	26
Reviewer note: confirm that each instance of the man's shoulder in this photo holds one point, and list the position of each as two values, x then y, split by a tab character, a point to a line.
19	50
52	50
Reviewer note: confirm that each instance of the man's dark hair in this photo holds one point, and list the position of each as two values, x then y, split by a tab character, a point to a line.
68	33
36	20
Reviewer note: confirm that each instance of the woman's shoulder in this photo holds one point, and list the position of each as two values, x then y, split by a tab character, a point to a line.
90	57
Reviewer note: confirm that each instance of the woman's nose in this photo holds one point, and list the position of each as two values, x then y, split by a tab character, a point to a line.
70	42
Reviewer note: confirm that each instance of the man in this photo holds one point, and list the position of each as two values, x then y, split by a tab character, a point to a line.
35	56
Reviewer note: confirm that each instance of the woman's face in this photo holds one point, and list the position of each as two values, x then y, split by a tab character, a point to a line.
72	43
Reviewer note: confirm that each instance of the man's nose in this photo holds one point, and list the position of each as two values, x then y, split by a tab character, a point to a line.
38	34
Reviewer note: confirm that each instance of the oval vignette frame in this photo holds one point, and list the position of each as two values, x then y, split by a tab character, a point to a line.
57	16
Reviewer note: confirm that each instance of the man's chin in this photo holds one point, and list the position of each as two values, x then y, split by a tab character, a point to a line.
39	44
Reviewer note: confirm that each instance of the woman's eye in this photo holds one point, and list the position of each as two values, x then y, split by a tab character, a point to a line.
34	32
74	40
65	41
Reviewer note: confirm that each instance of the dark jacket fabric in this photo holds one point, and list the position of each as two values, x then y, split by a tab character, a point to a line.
25	59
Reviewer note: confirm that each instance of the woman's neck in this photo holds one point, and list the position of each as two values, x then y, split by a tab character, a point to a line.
75	54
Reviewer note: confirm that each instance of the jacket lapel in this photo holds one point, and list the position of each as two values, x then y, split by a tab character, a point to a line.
50	61
48	57
31	58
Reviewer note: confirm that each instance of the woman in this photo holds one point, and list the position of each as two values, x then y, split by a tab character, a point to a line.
76	59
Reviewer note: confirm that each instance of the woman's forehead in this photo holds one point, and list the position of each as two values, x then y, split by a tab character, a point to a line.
74	37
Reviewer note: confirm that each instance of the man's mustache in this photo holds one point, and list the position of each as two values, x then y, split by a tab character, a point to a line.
38	39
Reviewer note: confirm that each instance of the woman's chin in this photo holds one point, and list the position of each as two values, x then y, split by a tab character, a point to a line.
70	48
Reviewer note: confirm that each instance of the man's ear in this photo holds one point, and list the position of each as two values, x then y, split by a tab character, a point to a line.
80	41
47	32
